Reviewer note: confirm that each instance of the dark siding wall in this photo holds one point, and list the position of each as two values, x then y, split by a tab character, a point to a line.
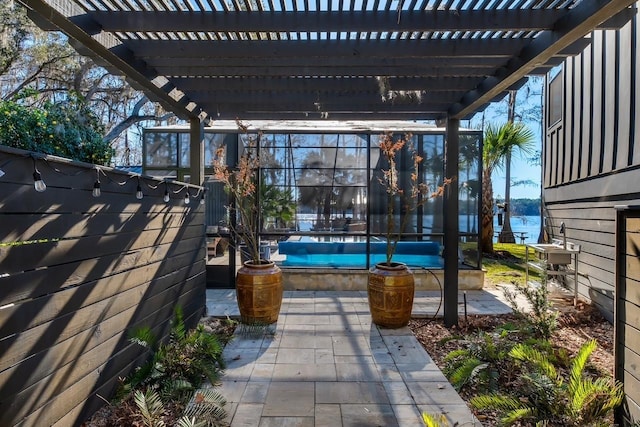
592	160
87	271
627	324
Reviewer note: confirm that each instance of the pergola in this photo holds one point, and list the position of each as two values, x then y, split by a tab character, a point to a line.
438	60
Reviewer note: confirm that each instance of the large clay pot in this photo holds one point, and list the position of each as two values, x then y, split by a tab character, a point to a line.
390	291
259	292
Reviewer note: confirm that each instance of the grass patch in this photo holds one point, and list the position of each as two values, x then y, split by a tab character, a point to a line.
507	264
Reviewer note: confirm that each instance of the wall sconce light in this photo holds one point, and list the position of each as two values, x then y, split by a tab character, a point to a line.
96	185
139	194
166	193
187	197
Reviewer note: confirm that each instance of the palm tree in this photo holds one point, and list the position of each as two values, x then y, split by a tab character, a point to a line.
499	143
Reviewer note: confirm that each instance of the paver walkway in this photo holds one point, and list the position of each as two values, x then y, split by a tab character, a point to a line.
325	364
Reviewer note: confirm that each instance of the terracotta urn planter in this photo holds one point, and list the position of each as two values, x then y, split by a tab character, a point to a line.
259	292
390	292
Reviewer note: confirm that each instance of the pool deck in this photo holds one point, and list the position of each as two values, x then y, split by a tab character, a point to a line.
324	364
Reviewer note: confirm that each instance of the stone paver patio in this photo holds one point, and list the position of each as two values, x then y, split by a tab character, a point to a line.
325	364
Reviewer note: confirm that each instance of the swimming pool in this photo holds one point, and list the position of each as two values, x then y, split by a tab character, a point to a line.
306	252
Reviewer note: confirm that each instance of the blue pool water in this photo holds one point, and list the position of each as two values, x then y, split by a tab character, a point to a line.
307	252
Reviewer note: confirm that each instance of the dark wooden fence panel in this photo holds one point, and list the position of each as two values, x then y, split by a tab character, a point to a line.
627	318
78	273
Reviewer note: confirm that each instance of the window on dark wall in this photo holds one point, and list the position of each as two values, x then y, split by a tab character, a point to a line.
555	99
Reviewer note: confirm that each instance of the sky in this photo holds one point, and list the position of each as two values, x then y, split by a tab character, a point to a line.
529	107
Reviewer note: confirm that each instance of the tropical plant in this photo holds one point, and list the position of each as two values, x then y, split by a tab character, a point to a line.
241	184
499	143
180	366
481	362
548	399
205	409
417	193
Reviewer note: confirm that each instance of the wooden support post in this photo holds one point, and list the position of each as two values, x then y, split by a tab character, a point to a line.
451	226
196	146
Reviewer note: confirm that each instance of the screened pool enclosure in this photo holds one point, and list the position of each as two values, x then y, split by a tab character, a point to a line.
322	203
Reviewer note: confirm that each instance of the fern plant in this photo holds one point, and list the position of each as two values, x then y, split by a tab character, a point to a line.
549	399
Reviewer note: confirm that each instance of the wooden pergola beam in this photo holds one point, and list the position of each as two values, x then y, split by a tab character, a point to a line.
396	48
330	83
573	26
322	21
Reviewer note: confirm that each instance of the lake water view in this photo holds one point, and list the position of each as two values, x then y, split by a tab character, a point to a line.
519	224
525	224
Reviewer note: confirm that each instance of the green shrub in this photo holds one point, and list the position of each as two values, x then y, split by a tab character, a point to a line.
67	129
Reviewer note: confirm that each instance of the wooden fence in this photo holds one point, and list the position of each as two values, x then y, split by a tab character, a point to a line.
78	272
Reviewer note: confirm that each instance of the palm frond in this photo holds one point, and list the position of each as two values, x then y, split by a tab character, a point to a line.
496	401
518	414
178	330
144	337
540	361
458	353
176	389
432	421
150	406
499	140
578	364
207	406
210	369
466	372
595	398
190	422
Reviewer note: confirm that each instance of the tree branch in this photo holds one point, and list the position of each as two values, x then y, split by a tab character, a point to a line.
129	121
33	76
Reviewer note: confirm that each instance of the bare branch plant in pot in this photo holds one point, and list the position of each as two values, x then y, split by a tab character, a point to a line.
391	284
258	281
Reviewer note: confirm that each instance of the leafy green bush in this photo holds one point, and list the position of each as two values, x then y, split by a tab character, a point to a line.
67	129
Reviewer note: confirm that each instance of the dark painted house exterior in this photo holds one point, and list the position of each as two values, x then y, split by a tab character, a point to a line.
591	179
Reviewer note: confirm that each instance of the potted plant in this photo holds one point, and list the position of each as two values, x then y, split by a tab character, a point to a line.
391	284
258	281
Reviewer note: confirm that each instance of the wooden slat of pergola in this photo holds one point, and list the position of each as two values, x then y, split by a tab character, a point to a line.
478	48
